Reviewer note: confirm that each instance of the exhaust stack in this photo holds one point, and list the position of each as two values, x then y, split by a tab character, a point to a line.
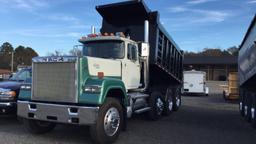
93	31
146	31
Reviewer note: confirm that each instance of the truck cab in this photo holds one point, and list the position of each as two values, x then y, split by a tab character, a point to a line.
115	56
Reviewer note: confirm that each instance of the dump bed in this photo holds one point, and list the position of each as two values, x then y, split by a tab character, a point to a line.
247	58
166	59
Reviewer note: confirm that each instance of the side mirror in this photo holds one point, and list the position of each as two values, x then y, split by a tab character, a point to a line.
144	47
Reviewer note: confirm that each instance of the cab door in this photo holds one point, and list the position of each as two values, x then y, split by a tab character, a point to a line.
131	67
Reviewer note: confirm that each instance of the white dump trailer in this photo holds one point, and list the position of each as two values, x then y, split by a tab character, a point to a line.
195	82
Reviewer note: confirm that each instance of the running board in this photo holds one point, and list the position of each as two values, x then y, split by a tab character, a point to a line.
139	111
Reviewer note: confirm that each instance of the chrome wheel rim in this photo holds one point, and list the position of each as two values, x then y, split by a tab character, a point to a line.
177	102
245	110
160	106
170	104
240	106
111	121
253	113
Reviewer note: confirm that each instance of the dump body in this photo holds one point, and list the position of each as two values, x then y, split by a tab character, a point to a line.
166	59
247	58
247	74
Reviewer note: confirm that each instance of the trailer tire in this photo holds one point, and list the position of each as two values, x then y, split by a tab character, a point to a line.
247	107
38	127
176	99
109	123
157	105
253	112
168	102
241	101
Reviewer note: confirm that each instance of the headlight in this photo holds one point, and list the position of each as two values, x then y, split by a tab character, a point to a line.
92	89
7	95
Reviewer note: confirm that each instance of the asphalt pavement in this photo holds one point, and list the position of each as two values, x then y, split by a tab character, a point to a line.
200	120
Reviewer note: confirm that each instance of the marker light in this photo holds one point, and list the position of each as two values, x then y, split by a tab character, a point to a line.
100	75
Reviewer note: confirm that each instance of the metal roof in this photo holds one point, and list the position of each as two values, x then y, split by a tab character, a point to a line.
215	60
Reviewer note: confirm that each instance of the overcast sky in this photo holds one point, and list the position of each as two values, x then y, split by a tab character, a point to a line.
48	25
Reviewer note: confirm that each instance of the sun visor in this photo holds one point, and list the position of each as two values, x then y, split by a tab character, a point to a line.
124	11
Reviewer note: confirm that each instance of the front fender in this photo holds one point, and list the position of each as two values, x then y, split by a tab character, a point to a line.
106	84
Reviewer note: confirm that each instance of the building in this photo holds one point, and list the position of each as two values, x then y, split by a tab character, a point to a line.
4	74
217	68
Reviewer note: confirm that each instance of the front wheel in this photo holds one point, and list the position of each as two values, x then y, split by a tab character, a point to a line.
38	127
109	123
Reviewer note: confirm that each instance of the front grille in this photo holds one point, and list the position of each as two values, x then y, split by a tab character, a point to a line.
54	82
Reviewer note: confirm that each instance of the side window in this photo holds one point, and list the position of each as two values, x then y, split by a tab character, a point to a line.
132	52
24	75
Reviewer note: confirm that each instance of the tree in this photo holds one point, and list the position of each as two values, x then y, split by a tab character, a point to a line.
76	52
22	55
233	50
6	47
56	53
5	55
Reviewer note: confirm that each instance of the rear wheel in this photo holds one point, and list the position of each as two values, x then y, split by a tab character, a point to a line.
247	107
253	112
176	99
241	102
109	123
38	127
157	106
168	102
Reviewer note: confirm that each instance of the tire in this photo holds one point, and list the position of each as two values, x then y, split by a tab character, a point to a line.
247	107
168	102
157	106
241	101
38	127
106	130
253	112
176	99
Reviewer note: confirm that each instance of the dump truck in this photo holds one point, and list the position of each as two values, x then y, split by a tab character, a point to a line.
247	74
132	67
195	83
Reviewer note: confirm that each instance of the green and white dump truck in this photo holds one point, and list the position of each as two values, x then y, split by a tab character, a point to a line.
118	75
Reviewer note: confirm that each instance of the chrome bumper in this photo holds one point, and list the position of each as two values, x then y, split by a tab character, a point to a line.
58	113
7	104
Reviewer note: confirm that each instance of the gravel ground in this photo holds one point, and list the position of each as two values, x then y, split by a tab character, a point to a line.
201	120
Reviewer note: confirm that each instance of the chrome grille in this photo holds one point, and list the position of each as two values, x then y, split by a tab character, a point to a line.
54	82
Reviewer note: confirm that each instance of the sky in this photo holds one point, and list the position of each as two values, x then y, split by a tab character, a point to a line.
49	25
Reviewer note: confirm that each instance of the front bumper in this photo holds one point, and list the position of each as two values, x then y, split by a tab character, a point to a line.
8	107
58	113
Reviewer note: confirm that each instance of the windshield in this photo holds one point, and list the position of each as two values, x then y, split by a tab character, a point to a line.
22	75
104	49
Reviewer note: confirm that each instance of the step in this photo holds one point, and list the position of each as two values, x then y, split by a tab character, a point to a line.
138	95
139	111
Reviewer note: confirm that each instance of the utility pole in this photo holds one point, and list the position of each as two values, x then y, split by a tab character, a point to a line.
12	60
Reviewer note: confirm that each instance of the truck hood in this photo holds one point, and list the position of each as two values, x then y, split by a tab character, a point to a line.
110	68
12	85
